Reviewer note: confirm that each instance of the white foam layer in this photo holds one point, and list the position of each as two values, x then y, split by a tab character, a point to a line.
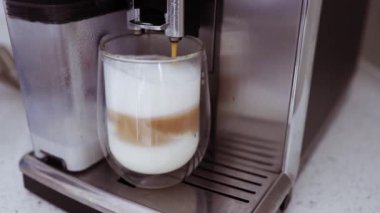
153	160
150	89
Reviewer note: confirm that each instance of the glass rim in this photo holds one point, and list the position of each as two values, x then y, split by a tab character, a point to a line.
134	59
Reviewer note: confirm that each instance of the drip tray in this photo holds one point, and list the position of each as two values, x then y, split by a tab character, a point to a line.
213	187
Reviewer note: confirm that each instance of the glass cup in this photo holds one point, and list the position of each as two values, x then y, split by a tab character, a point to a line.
153	110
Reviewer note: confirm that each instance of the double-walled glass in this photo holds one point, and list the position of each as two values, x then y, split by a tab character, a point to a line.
154	110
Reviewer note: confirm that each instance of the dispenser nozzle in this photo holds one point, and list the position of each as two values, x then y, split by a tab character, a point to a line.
175	19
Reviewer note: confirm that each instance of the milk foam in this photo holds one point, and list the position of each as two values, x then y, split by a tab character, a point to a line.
155	159
148	90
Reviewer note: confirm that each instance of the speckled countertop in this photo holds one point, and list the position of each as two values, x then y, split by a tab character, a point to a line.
343	174
14	142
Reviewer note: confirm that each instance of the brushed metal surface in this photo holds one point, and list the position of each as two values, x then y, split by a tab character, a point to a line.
8	71
248	151
213	187
208	12
256	53
175	19
57	66
299	99
275	196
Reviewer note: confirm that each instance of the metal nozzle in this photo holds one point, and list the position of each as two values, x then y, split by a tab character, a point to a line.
175	19
175	39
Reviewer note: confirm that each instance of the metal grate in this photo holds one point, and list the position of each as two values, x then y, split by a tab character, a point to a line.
233	177
228	181
243	151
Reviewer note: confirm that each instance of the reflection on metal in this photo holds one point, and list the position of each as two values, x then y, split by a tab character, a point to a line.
213	187
256	48
8	68
301	87
276	195
57	66
249	151
147	26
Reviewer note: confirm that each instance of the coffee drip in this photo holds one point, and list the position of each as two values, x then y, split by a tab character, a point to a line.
174	48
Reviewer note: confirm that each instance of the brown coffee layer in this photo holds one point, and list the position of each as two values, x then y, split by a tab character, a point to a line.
154	131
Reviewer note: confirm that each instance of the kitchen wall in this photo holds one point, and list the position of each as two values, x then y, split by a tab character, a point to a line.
4	37
371	43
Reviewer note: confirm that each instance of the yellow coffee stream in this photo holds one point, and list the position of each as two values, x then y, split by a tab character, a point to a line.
174	47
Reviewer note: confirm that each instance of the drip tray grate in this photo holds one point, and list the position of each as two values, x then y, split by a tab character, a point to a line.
211	188
227	180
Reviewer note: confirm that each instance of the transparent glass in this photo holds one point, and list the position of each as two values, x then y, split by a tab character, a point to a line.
154	110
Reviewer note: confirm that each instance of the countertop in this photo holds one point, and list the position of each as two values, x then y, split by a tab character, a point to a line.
342	174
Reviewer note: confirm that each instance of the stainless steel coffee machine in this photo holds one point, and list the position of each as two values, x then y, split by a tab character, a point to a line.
260	56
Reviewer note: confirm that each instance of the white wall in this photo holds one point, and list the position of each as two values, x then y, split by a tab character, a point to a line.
4	36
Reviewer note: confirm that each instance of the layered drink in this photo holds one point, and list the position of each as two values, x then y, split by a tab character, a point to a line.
152	113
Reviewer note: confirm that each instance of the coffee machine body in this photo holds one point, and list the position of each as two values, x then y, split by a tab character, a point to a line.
260	56
264	65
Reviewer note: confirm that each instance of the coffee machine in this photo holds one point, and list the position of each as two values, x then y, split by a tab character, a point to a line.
260	56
